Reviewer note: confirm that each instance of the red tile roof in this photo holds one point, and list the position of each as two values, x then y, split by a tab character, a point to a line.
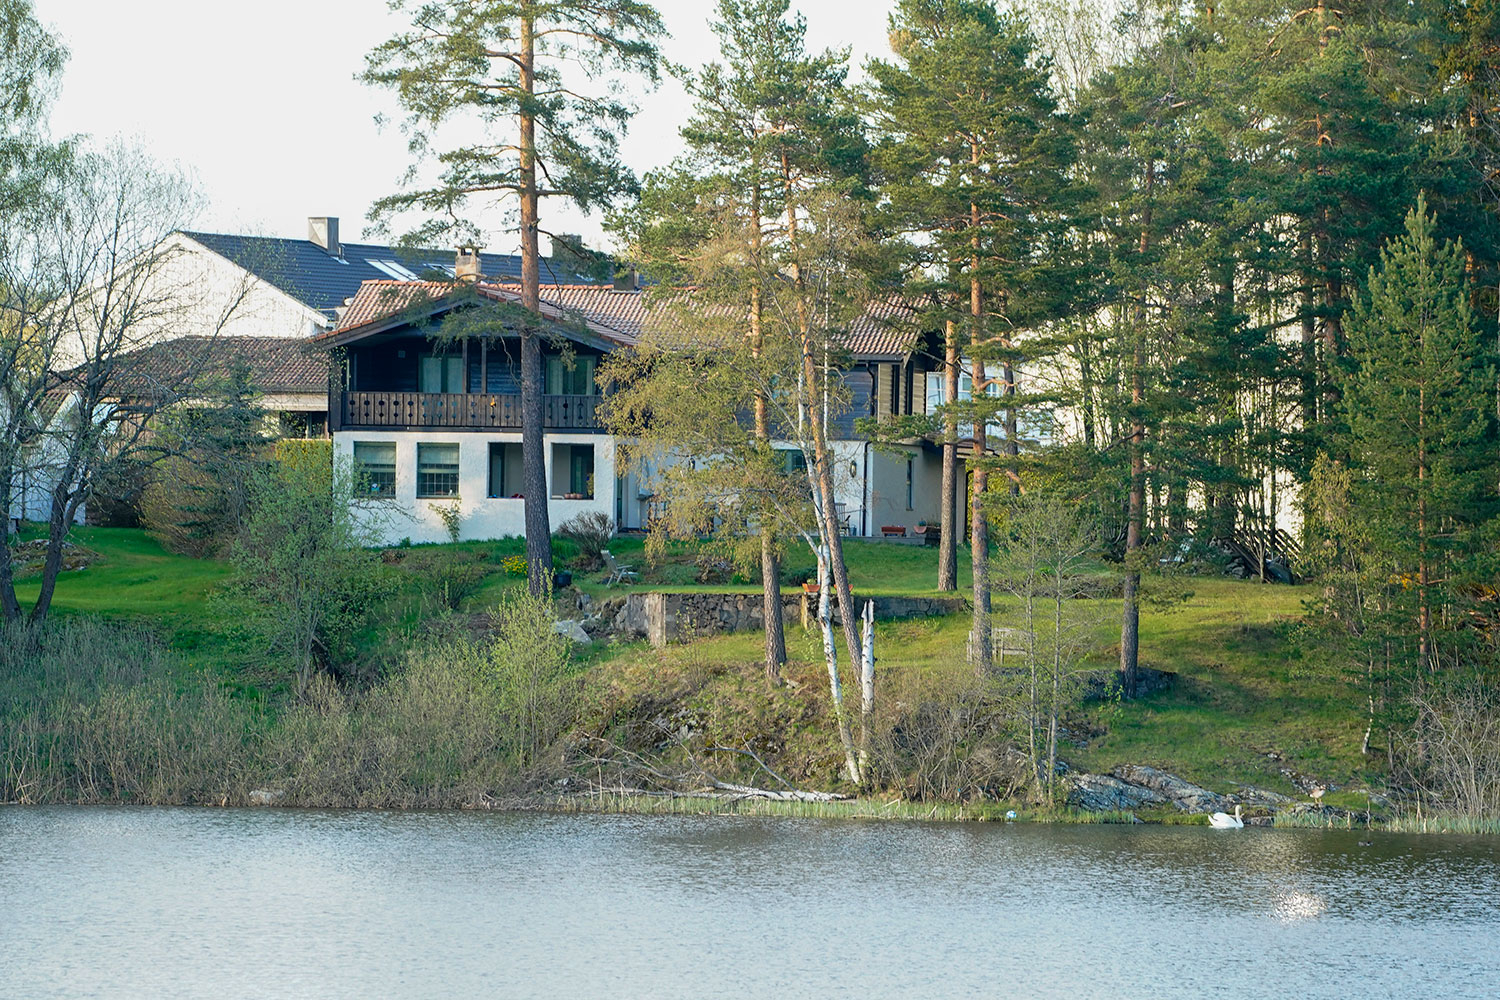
885	330
275	364
382	300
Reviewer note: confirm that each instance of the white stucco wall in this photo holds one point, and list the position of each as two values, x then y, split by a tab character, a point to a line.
184	289
38	470
888	488
216	296
484	517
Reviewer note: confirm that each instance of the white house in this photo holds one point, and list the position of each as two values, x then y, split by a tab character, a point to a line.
432	424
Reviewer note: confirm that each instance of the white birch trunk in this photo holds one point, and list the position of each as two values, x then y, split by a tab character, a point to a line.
831	654
867	687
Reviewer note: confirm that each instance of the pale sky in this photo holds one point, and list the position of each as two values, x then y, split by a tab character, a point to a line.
258	100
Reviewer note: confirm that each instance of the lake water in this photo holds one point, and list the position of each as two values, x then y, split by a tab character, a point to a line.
223	904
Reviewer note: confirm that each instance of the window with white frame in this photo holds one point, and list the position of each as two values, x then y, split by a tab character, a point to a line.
936	396
437	470
375	468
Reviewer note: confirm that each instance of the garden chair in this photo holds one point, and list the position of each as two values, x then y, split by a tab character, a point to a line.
617	572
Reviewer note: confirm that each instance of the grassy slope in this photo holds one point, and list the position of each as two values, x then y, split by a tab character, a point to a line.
130	575
1244	690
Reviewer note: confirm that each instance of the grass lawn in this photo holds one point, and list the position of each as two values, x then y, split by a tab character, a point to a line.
1244	690
130	574
1247	701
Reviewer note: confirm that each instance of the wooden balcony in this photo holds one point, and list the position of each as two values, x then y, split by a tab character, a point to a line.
461	411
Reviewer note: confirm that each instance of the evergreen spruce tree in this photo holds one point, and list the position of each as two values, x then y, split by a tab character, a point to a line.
1422	430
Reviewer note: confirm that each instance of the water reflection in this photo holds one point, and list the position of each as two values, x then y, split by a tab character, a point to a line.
225	903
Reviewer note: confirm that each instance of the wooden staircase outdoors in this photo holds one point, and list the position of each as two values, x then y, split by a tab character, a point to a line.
1268	553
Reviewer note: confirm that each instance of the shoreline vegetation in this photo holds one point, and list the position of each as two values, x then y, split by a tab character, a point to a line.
634	803
146	690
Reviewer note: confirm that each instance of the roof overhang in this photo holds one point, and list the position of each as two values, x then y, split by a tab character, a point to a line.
423	309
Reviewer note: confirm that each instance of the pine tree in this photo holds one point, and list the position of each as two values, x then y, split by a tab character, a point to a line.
975	161
1311	98
1421	426
508	70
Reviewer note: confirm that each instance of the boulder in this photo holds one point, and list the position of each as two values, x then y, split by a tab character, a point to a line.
573	631
1183	794
1102	793
1252	796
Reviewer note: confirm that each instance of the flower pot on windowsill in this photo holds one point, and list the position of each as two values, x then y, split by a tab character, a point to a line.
575	496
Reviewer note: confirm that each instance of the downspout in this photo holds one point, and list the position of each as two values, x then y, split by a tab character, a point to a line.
864	512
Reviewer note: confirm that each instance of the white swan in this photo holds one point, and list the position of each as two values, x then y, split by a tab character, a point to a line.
1224	821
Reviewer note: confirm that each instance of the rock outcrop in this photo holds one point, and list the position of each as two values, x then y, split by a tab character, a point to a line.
1102	793
1185	795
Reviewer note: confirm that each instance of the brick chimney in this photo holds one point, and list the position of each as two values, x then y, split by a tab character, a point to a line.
466	265
324	231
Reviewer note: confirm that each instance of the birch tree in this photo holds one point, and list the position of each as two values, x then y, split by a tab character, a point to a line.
90	272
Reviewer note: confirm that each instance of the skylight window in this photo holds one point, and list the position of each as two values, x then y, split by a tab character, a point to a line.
393	269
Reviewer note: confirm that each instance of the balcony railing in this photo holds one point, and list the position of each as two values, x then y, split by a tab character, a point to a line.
472	411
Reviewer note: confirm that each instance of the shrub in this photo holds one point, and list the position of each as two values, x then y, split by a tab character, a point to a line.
1451	753
195	499
591	533
93	712
529	671
514	566
797	575
305	580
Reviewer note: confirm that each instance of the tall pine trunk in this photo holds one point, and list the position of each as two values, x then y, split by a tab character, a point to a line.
950	521
1130	616
770	563
533	385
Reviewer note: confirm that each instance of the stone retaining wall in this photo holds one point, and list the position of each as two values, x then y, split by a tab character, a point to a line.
665	618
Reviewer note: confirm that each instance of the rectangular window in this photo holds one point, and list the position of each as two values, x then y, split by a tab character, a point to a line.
909	486
497	469
792	460
375	468
437	470
934	391
573	471
581	471
577	380
966	392
440	373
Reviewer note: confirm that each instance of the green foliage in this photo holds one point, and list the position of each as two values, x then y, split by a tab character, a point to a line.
461	65
92	712
528	669
96	713
196	497
1422	450
304	582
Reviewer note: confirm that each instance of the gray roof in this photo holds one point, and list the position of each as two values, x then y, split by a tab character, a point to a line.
317	278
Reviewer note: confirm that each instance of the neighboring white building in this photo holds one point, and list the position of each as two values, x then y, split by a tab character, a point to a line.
39	465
